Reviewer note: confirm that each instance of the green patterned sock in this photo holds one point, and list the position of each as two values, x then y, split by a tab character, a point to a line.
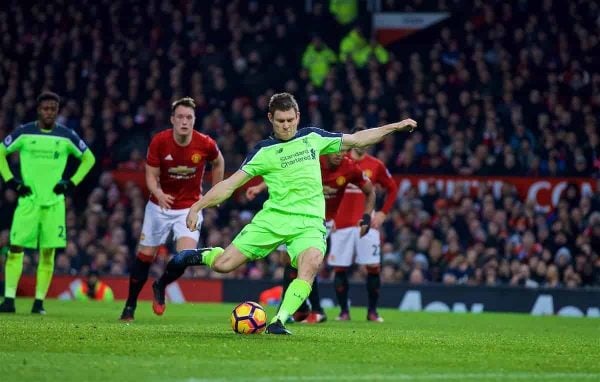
12	273
45	270
295	295
209	257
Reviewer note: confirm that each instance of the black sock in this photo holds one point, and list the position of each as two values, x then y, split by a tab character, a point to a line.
137	279
289	274
175	269
314	298
9	301
373	284
177	265
341	289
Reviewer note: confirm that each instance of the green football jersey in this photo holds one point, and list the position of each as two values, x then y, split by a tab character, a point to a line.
43	157
292	171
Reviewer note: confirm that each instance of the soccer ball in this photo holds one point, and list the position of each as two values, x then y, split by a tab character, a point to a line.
248	318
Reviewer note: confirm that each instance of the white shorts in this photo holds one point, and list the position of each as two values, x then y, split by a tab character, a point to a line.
347	247
159	223
329	225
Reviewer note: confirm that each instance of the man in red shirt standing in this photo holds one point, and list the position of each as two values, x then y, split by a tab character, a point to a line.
337	172
174	171
347	241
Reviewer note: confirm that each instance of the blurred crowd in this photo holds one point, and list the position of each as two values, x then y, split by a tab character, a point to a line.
500	88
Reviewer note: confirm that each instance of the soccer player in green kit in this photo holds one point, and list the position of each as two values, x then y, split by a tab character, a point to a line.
295	211
39	219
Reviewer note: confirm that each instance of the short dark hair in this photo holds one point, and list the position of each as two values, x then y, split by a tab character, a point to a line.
185	101
48	96
282	102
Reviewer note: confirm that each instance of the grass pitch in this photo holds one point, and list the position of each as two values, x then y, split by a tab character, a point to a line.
193	342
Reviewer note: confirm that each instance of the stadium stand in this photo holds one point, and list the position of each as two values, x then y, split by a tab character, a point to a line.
500	89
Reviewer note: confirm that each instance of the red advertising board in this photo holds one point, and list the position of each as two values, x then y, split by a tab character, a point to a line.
183	290
545	191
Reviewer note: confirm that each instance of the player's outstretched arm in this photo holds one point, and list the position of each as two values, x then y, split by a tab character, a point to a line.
216	195
375	135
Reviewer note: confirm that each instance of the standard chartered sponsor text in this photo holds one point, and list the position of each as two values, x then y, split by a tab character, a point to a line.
296	157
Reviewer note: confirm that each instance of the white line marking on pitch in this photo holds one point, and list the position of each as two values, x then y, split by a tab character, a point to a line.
413	377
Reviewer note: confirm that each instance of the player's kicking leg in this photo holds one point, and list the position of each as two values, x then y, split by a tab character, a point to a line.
224	261
175	269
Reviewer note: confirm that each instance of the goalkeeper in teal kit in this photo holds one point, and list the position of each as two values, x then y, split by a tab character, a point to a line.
39	219
295	211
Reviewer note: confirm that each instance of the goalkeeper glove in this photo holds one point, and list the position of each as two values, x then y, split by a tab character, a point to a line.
20	188
63	186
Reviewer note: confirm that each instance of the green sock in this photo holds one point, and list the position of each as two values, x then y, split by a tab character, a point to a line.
295	295
45	270
209	257
12	273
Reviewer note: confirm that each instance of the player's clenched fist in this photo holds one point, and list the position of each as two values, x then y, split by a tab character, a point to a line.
252	192
407	125
20	188
64	186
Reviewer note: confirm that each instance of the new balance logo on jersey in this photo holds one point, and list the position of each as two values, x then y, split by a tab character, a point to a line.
169	157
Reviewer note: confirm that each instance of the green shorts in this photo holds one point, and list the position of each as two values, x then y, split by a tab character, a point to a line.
32	222
269	229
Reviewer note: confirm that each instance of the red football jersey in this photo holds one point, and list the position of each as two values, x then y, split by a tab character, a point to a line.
351	208
347	172
181	167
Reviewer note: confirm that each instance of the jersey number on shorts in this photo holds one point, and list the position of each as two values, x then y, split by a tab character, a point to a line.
61	231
